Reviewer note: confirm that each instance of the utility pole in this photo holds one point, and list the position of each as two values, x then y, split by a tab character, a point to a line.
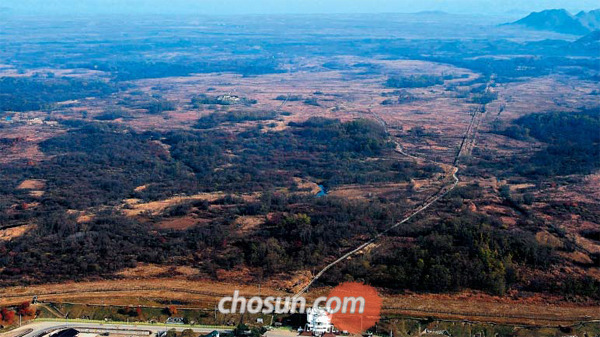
20	321
260	279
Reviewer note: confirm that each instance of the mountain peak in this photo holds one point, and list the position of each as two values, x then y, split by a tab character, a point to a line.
558	20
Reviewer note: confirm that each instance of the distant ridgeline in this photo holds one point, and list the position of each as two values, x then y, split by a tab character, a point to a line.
561	21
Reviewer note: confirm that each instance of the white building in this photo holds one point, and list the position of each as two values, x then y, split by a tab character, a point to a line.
318	321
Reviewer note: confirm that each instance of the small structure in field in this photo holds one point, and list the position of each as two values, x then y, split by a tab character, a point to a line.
228	99
318	321
175	320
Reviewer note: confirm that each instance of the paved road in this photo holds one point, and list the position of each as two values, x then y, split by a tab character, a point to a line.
38	329
281	333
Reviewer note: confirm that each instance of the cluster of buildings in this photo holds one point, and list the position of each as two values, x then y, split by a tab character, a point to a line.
29	121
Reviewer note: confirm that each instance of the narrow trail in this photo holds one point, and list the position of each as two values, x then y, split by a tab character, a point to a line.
287	98
467	140
52	310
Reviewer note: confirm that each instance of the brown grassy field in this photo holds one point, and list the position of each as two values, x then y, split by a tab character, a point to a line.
140	288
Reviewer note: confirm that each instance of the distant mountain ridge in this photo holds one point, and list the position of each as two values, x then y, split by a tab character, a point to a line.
561	21
590	19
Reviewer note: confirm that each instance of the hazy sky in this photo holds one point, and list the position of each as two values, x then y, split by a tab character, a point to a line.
289	6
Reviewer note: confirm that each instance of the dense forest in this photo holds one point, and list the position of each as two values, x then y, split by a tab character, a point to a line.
139	69
24	94
465	251
81	170
215	119
572	138
414	81
80	174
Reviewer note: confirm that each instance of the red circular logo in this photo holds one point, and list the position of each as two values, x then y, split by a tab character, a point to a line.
358	307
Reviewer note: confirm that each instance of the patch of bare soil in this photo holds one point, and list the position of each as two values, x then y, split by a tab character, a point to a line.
15	232
32	184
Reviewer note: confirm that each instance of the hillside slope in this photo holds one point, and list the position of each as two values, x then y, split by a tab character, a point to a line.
590	20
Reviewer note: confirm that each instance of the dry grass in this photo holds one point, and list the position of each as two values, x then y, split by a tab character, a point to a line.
180	223
311	187
133	207
15	232
248	223
140	188
486	308
587	244
542	94
32	184
591	185
37	194
81	216
370	191
518	187
132	287
152	270
577	257
547	239
139	287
